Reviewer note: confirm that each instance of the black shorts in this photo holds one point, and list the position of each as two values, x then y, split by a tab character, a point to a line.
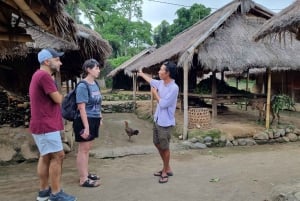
94	124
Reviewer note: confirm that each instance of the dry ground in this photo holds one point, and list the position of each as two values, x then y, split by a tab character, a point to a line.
213	174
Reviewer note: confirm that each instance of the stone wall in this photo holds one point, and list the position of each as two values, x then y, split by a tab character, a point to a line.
276	135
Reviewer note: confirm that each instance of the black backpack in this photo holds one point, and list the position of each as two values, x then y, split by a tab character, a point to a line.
69	106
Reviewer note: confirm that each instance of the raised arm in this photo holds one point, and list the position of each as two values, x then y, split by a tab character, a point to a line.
143	75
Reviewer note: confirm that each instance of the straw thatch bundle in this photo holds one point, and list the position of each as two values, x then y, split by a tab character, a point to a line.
43	15
92	45
288	20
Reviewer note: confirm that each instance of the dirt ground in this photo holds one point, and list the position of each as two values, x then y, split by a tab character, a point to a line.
213	174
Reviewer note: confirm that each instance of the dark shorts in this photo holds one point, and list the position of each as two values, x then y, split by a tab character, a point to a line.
162	136
94	124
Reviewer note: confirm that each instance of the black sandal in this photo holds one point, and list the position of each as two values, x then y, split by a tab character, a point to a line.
90	183
93	177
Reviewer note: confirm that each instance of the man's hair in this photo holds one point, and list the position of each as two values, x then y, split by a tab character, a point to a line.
171	67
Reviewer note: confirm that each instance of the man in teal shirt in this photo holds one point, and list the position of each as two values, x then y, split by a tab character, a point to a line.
165	91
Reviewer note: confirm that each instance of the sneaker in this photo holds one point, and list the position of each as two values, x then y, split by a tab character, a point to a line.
43	195
61	196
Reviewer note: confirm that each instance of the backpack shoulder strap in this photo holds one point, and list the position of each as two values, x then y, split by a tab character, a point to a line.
86	84
98	85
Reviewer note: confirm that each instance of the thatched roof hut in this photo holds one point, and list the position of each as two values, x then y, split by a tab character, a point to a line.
122	80
45	15
223	40
16	71
288	20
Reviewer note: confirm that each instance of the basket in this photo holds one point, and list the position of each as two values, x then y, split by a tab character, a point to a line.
199	118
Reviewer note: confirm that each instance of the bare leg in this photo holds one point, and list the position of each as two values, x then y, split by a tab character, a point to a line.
165	156
43	171
82	160
55	170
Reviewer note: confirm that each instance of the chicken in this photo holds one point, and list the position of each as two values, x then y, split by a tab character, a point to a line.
130	132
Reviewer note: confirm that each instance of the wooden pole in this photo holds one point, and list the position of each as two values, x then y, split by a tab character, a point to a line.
22	38
185	100
152	101
32	15
134	90
214	96
247	82
268	99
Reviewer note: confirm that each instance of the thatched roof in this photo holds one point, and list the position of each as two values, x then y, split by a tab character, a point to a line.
44	15
92	45
44	40
131	61
288	20
224	40
254	71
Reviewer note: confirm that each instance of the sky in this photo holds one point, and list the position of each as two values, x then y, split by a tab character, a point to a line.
155	11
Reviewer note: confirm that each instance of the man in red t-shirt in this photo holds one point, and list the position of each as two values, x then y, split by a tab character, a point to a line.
45	124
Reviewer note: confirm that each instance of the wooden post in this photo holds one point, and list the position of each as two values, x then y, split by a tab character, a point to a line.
185	99
68	87
292	88
247	82
134	90
268	99
152	101
214	96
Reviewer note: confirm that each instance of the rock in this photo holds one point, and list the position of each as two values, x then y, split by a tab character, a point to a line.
242	142
187	144
286	192
29	151
229	137
235	143
271	134
280	140
250	142
193	140
223	138
292	137
207	139
199	145
261	136
289	130
285	139
228	144
281	132
297	131
6	152
66	148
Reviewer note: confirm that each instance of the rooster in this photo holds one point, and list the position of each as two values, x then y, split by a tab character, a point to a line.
130	132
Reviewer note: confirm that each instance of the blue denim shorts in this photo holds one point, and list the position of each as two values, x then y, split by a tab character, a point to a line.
48	142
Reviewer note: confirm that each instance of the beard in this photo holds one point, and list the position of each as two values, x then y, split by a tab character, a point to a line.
54	68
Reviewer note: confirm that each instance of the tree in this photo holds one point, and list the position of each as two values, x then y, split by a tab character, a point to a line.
188	17
161	33
120	22
164	32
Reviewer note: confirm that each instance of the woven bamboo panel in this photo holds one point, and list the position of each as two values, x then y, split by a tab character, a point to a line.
199	118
